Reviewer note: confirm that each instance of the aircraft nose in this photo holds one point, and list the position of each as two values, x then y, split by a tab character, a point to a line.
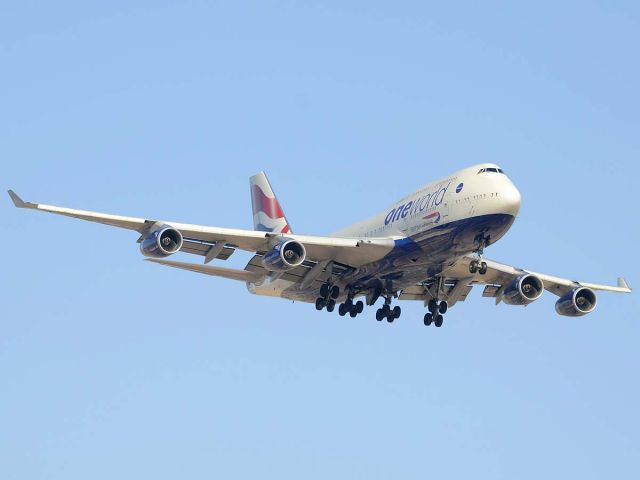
511	199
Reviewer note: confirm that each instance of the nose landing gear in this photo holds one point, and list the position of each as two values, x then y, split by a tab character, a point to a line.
478	265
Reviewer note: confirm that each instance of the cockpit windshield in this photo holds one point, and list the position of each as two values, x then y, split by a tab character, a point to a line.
491	170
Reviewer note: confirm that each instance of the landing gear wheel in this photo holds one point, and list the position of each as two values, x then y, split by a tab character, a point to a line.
335	292
396	311
390	317
324	290
359	306
428	319
342	311
385	309
331	304
483	268
319	303
380	314
443	307
433	305
474	266
353	313
438	321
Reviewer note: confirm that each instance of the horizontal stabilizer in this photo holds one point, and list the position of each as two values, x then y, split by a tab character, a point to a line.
230	273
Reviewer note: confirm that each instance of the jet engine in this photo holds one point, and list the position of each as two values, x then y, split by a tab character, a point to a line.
523	290
284	256
162	242
577	302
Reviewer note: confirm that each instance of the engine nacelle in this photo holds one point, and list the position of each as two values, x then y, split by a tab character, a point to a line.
284	256
577	302
523	290
161	242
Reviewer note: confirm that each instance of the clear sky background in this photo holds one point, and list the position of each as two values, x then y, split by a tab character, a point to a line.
111	367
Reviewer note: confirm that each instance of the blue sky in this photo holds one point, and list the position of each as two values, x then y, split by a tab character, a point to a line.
112	367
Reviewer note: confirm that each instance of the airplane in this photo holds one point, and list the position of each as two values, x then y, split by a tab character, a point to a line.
427	247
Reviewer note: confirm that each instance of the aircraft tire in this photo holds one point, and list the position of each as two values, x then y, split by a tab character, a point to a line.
433	305
443	307
331	305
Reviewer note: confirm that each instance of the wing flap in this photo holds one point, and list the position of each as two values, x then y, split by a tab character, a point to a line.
230	273
453	291
208	250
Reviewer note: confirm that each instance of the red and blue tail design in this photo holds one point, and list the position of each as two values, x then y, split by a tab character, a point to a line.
267	213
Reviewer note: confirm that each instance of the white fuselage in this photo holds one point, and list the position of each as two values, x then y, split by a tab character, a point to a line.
481	194
465	201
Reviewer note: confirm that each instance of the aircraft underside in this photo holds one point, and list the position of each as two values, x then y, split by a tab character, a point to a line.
414	260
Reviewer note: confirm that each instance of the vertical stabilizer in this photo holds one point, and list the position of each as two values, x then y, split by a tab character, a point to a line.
267	213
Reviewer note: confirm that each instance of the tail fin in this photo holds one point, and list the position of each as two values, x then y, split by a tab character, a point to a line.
267	213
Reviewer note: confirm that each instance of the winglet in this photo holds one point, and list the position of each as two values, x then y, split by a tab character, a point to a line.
622	283
17	201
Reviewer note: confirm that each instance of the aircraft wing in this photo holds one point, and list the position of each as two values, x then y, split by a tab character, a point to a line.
458	283
205	240
230	273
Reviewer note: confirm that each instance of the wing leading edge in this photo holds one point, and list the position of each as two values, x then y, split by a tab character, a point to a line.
349	251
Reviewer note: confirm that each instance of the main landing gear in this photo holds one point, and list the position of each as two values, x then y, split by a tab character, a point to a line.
353	309
387	312
327	298
436	311
329	294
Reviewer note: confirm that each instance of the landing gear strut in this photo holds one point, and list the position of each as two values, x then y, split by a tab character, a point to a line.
436	311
